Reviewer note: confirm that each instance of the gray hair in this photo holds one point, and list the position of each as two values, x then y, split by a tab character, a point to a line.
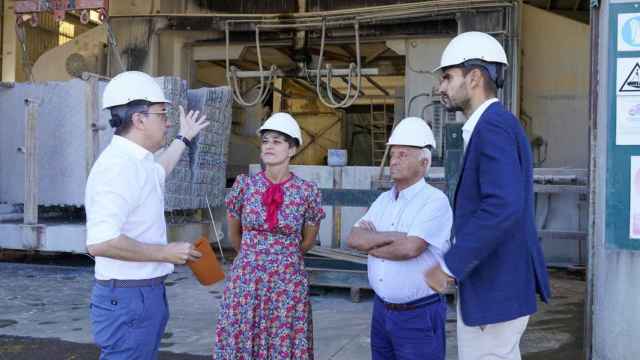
425	154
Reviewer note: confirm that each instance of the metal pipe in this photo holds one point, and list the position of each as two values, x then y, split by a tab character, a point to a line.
381	11
87	75
413	98
357	68
297	25
12	217
594	173
231	73
303	73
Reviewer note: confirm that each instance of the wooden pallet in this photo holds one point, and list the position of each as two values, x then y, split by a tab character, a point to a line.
340	254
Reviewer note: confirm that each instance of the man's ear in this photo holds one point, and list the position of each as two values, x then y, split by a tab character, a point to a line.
138	121
425	162
292	151
475	78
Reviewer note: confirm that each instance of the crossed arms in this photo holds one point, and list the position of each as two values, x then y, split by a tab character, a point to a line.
390	245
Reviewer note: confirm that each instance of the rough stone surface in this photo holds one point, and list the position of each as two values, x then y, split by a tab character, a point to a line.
66	142
62	141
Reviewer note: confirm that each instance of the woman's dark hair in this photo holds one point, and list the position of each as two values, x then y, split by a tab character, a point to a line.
121	115
293	142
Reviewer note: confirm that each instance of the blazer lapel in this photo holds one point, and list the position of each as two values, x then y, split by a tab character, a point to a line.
464	165
467	150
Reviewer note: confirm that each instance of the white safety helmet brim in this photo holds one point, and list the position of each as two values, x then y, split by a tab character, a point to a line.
131	86
469	46
412	131
284	123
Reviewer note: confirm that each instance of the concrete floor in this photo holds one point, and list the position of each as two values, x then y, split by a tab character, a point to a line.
44	309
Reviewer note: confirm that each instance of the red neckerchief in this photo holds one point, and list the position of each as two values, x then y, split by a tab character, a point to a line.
272	200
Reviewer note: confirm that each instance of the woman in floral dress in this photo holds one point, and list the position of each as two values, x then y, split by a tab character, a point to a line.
273	219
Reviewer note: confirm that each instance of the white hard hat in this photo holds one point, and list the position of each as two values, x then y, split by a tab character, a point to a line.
412	131
130	86
283	123
472	45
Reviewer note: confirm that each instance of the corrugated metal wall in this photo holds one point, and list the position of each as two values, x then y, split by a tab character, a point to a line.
327	5
249	6
289	6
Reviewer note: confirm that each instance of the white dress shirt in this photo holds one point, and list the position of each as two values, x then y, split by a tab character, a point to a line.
125	195
470	124
420	210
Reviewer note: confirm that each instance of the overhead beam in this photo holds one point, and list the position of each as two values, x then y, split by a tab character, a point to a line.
377	85
352	86
218	63
347	48
323	85
375	56
334	55
286	53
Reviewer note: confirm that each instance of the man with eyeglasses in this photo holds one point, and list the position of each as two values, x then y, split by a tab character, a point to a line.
126	229
405	232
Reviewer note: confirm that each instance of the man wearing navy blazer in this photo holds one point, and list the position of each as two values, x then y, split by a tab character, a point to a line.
496	259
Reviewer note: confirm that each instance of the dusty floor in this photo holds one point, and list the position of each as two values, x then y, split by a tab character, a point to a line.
45	311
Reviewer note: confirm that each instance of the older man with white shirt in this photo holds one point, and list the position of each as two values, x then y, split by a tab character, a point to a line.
126	229
406	231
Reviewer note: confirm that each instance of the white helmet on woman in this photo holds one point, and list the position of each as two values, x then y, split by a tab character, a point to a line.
284	123
412	131
130	86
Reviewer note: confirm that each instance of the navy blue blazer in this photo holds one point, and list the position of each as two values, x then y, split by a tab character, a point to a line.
496	258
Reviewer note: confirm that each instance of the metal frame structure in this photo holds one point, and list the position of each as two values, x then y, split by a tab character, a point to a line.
28	10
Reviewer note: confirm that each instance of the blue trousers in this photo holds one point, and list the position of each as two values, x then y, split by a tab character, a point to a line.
128	323
409	334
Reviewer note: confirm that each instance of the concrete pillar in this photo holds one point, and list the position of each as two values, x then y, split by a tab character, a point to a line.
613	312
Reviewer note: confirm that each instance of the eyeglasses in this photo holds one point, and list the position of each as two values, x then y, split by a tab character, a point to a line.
162	114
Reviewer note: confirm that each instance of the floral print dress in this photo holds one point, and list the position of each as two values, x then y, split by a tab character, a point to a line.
265	311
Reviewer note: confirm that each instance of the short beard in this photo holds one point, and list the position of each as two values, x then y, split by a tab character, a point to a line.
452	108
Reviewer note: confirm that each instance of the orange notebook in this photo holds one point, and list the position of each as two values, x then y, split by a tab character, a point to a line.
207	269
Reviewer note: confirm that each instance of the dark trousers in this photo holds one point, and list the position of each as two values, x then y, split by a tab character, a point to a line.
128	323
409	334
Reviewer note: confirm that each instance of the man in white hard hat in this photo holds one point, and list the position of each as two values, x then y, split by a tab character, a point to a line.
406	231
126	229
496	258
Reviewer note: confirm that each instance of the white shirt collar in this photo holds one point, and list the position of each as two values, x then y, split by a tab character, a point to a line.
130	147
411	191
470	124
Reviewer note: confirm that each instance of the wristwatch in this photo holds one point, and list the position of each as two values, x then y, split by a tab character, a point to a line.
184	140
